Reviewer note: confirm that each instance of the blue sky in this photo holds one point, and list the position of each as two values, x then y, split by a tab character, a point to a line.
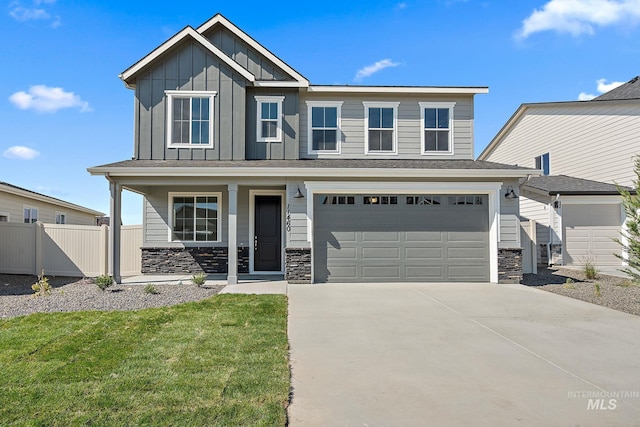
64	109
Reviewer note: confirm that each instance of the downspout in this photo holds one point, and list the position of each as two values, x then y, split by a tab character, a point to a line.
552	215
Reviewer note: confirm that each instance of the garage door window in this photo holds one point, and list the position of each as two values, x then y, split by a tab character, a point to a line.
423	200
380	200
466	200
339	200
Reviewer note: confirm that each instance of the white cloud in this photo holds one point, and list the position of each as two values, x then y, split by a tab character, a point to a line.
401	6
602	87
583	96
48	99
374	68
21	152
578	17
34	11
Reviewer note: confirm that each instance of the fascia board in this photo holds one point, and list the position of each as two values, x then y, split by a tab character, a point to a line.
311	172
219	19
50	200
399	89
164	47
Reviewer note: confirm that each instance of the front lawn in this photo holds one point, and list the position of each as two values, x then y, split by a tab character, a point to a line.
221	361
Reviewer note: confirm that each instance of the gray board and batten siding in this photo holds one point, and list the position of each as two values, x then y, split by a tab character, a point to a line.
409	128
189	67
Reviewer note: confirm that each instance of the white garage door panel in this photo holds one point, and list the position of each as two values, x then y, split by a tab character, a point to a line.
589	232
400	242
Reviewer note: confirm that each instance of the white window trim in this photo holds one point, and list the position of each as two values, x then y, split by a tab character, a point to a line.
338	106
3	213
424	105
171	195
269	99
367	105
62	214
189	94
31	208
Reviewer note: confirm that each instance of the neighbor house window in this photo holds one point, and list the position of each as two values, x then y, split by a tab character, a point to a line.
195	218
61	218
4	217
436	120
323	126
380	134
542	162
190	118
30	215
269	120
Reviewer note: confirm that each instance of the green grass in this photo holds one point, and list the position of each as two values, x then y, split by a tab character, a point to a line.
222	361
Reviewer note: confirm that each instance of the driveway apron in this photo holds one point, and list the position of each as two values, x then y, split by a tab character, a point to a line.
459	354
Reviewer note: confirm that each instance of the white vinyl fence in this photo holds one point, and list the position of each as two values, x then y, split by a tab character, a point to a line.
66	250
529	254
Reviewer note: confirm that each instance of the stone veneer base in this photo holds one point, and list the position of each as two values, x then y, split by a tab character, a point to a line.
191	260
509	265
297	265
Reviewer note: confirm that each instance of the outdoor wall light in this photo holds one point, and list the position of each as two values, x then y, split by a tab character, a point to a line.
510	193
298	194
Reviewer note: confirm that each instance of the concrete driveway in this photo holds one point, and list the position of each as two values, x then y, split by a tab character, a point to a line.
459	354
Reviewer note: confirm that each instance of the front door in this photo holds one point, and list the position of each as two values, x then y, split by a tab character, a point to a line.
267	241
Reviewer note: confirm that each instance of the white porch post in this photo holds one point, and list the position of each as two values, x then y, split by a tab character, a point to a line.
232	272
114	230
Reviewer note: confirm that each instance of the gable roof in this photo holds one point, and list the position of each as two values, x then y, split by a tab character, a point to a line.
571	186
128	75
23	192
218	19
629	90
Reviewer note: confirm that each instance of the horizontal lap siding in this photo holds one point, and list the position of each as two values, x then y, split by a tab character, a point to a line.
189	67
409	129
593	141
509	218
14	206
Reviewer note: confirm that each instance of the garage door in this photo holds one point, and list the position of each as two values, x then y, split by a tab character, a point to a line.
588	234
383	238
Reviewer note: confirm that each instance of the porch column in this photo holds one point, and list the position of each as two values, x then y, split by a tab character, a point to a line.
114	230
232	269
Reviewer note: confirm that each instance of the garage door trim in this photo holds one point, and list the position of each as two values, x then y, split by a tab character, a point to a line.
491	189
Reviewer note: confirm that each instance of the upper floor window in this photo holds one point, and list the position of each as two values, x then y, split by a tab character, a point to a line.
195	217
324	126
269	120
542	162
30	215
436	120
380	134
61	218
190	118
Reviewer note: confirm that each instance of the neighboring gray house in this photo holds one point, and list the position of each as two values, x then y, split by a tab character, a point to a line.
21	205
246	167
583	148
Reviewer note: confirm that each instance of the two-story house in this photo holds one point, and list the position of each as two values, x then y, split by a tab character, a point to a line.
583	148
246	167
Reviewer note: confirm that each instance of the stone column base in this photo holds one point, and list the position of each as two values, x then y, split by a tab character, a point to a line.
509	265
297	265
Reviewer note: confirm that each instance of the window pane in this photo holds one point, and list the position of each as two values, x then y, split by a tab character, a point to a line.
273	111
374	140
331	117
204	132
317	117
387	140
195	109
374	118
387	118
184	133
204	108
443	118
330	136
195	132
429	140
429	118
265	110
318	139
443	141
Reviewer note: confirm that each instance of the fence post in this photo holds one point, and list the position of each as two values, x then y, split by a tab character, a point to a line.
39	235
104	249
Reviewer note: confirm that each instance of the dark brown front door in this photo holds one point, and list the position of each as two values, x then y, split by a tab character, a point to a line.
267	244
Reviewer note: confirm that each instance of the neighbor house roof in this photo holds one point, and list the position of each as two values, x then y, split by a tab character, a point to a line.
29	194
570	186
629	90
310	167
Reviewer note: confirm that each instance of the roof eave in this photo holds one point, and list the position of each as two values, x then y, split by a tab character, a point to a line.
399	89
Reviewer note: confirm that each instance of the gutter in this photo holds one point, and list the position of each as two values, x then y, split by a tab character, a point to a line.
552	214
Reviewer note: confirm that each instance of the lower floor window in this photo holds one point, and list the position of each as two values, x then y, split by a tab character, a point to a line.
30	215
195	218
61	218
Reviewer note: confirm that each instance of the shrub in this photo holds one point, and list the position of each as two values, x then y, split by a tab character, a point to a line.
103	282
596	287
41	287
590	270
569	280
199	279
150	289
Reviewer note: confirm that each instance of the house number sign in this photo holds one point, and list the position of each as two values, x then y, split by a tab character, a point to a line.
288	217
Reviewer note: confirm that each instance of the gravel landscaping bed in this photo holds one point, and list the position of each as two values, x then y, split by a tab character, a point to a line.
74	294
609	291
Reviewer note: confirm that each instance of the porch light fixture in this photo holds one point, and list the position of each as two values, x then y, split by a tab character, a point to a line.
298	194
510	194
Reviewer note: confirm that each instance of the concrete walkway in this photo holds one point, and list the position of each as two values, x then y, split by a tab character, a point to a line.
459	354
249	285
